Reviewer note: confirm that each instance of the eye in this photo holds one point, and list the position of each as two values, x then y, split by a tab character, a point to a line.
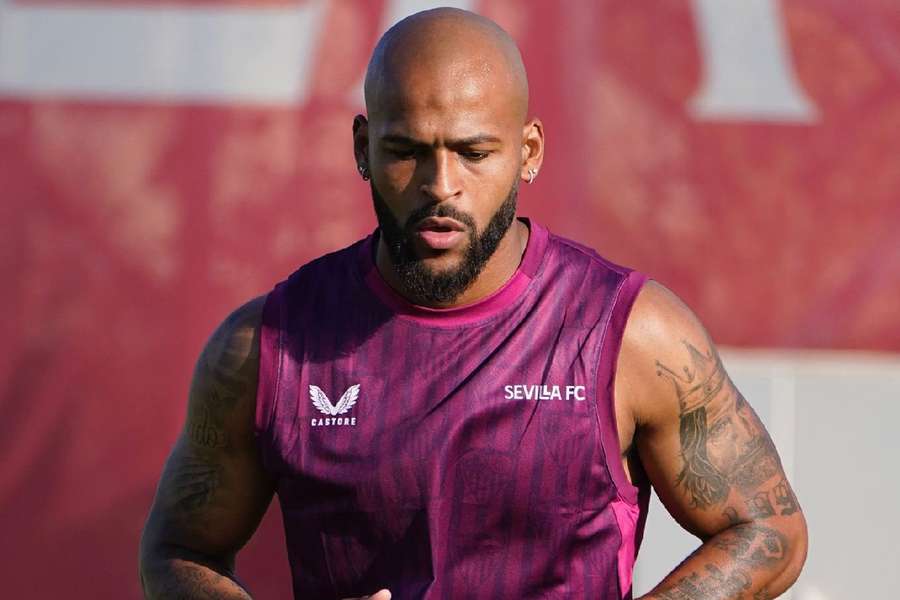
402	153
474	155
719	427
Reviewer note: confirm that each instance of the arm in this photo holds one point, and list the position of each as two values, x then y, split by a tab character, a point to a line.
708	456
213	491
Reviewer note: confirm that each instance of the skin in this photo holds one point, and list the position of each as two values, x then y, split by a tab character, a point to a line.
213	490
685	426
447	126
447	104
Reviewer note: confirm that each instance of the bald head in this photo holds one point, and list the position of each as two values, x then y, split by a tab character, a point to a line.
445	53
445	143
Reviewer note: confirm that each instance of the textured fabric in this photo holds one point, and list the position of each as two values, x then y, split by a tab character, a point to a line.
459	453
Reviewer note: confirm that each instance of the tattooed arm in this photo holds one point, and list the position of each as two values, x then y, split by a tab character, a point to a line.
711	461
213	491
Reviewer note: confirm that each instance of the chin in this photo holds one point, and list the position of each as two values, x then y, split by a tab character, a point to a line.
441	264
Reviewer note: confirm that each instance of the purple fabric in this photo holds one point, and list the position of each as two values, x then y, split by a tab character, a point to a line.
457	453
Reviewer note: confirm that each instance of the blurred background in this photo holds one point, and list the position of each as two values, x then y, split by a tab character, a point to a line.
162	162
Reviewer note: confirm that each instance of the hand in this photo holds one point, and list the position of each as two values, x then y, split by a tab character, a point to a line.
379	595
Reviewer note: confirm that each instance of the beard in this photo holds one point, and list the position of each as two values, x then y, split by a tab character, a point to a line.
423	284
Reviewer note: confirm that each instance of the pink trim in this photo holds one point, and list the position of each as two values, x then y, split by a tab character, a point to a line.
627	519
459	315
606	375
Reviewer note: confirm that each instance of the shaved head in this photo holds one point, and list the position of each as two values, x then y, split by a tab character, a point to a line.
444	143
445	47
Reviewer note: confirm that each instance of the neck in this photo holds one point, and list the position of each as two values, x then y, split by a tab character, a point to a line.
499	268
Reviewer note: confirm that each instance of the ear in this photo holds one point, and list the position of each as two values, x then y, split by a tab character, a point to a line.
532	149
361	142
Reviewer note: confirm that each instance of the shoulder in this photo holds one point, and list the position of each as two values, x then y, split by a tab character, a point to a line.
334	266
658	315
222	398
227	370
663	338
235	340
578	255
590	276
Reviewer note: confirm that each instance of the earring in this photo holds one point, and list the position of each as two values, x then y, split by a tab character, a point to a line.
532	173
363	172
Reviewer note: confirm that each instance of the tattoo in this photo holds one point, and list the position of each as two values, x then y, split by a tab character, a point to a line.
753	545
193	485
205	427
731	514
784	497
723	444
715	584
200	582
225	373
759	506
227	365
762	594
750	547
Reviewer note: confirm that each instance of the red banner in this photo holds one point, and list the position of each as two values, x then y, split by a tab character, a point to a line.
161	164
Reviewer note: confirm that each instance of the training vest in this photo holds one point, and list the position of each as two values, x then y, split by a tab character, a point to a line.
468	452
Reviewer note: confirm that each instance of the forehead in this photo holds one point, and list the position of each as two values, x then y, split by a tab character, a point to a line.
457	98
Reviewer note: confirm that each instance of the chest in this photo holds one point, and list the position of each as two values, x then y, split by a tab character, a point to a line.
421	420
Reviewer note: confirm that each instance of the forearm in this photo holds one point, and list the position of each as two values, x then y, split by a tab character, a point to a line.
748	560
182	575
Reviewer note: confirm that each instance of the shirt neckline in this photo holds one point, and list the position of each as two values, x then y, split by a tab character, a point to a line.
477	311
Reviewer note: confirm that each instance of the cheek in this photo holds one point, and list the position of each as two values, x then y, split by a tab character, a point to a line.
488	191
396	176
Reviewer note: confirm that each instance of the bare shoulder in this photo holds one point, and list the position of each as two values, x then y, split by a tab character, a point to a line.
213	489
661	331
235	341
705	449
223	392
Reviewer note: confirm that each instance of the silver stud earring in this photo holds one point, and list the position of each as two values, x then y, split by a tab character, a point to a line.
363	172
532	173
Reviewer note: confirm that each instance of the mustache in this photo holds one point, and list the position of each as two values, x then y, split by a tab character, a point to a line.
439	210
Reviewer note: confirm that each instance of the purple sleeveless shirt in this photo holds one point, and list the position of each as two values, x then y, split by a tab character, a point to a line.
451	453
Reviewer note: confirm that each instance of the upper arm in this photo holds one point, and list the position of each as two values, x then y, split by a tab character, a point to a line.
213	490
705	450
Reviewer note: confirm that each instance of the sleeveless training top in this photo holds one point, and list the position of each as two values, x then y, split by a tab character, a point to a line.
451	453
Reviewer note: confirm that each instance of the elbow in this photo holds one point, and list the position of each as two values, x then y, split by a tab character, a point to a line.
148	563
798	540
154	560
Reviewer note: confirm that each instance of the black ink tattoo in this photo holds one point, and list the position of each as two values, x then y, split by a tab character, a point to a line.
753	545
784	497
192	486
731	514
759	506
723	444
714	585
205	428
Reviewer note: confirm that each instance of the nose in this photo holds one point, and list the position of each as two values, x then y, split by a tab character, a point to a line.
441	181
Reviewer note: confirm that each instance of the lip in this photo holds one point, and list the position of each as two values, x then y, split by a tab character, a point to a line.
431	223
440	240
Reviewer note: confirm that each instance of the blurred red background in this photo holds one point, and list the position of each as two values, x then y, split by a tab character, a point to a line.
133	223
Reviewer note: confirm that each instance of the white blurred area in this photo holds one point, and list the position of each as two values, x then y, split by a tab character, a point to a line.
833	417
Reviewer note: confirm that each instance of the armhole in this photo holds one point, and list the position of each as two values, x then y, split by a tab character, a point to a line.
606	377
270	359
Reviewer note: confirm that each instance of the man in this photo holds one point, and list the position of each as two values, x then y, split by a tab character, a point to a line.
464	405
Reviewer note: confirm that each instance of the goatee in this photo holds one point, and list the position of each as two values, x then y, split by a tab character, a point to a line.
424	285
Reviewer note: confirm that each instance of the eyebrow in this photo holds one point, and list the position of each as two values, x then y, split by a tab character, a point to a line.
469	141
